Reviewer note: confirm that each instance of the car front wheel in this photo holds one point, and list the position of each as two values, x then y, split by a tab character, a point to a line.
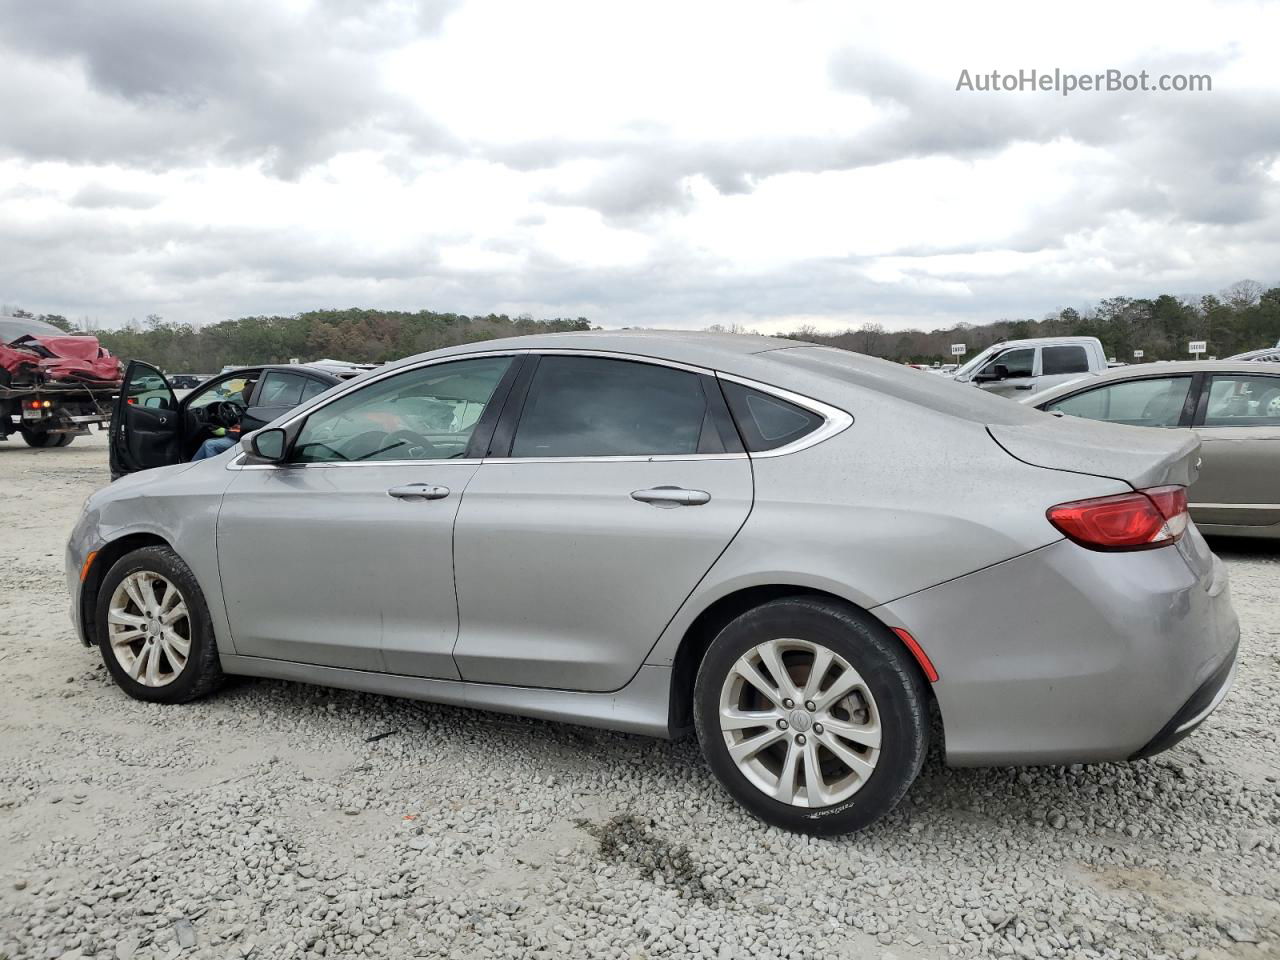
812	715
153	628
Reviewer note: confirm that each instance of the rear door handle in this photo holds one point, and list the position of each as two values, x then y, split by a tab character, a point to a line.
419	491
672	497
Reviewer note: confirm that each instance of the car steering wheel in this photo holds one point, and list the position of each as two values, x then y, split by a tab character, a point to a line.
224	413
406	442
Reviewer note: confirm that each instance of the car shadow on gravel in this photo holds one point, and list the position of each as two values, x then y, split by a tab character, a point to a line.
1244	548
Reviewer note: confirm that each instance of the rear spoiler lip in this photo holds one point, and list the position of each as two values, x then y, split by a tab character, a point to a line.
1180	466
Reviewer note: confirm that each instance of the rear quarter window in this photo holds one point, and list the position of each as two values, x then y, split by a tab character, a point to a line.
767	422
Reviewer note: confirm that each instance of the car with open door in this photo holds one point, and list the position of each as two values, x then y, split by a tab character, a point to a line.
153	427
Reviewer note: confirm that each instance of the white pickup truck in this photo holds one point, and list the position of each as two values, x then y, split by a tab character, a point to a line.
1014	366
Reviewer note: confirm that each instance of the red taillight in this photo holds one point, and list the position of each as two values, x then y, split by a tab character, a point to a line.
1128	521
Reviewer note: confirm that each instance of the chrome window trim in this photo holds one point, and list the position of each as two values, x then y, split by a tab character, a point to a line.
835	420
638	458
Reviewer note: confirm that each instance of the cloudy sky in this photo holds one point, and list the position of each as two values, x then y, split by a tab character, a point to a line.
659	164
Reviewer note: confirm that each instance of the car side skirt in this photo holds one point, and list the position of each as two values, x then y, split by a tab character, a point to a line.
639	707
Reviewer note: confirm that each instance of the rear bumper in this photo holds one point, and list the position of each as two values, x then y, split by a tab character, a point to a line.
1066	655
1195	711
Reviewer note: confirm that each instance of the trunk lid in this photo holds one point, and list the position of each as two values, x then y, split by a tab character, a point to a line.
1139	456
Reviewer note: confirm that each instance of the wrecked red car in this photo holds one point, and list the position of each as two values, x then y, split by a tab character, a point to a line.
52	385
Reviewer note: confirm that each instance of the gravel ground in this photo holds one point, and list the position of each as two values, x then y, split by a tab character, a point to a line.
277	820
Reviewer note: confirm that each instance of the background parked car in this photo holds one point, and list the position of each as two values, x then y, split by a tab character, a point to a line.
1232	405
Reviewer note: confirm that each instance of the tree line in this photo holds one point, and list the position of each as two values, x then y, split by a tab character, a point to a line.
361	336
1243	317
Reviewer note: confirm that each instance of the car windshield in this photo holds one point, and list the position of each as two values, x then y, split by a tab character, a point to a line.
971	366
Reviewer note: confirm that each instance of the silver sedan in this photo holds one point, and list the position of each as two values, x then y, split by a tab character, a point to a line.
1233	406
793	550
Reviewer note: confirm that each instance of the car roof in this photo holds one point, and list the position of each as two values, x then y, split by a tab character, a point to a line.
1266	353
1041	341
289	367
695	348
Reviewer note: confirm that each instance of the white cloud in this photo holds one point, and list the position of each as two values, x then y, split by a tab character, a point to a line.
668	163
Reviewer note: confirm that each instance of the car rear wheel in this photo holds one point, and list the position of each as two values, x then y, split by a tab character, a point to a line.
153	628
812	715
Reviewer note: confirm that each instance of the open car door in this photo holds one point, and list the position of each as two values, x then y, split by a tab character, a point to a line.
145	427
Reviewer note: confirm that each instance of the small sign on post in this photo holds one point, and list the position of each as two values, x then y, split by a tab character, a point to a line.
1137	354
1197	347
957	350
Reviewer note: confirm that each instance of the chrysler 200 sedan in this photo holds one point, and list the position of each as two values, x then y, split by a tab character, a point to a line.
794	550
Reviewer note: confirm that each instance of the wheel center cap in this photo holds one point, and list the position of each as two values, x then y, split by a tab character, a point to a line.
800	720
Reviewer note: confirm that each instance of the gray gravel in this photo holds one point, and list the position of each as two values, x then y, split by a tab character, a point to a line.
274	821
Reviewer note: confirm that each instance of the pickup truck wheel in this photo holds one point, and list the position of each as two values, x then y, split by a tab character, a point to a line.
812	715
153	628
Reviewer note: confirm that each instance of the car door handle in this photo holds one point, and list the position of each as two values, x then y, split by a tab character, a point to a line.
1024	386
419	491
672	497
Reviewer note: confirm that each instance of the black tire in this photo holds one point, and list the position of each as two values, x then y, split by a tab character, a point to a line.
202	672
43	438
890	674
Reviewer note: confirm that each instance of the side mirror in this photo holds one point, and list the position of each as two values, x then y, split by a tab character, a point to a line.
268	446
998	372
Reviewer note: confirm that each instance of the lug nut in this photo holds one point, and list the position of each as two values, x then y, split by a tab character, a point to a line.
800	739
788	703
817	728
810	706
782	724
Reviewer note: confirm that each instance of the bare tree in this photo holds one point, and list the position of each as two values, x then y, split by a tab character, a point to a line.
869	338
1244	293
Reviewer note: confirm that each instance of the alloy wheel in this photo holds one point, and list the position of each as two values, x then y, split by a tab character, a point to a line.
149	628
800	723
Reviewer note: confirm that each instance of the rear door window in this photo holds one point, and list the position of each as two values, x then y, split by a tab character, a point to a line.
600	407
281	389
1152	402
1243	400
1055	361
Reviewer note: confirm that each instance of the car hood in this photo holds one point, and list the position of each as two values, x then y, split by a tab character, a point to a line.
1140	456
